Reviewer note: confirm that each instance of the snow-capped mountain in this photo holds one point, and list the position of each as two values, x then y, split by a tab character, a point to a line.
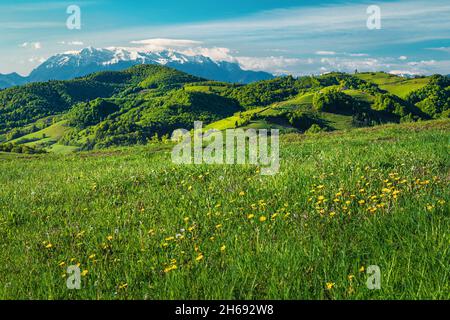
89	60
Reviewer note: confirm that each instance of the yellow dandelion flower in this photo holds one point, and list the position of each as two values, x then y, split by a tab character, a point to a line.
362	269
263	219
123	286
109	238
199	258
92	256
84	273
332	214
170	268
223	248
49	246
242	193
361	202
321	198
219	226
330	285
351	277
250	216
62	264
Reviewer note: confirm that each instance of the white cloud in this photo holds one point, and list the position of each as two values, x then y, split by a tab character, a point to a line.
358	55
403	72
443	49
325	53
36	60
403	58
72	43
215	53
167	43
34	45
276	65
422	63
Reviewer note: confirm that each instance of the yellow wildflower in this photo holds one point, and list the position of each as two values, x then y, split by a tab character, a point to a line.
123	286
330	285
170	268
199	258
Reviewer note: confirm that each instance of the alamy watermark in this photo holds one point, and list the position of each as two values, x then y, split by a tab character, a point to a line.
233	146
74	20
374	279
374	20
74	278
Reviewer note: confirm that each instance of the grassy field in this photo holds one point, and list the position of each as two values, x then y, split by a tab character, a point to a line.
393	84
141	227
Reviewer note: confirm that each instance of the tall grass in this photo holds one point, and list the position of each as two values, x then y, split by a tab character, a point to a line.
141	227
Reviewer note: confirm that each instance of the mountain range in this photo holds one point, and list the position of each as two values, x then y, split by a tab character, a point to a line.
72	65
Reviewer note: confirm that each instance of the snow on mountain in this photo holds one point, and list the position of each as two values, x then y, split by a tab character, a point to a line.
71	65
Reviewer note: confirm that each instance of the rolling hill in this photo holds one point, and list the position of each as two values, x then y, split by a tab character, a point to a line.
144	102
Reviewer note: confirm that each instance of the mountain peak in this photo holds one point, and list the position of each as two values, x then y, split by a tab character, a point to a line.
69	65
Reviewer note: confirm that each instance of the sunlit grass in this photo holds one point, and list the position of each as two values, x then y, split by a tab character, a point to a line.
142	228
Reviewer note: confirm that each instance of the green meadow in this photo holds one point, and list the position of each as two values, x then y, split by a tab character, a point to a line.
140	227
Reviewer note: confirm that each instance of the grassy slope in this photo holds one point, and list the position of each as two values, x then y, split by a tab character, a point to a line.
48	136
140	199
302	102
396	85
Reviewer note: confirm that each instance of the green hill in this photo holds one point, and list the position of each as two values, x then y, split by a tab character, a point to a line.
150	101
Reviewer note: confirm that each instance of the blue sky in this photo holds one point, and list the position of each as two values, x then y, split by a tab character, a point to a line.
283	36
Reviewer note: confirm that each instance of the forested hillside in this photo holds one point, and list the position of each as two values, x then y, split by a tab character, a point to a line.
150	101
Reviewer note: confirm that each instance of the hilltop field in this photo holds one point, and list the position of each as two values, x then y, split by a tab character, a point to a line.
140	227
